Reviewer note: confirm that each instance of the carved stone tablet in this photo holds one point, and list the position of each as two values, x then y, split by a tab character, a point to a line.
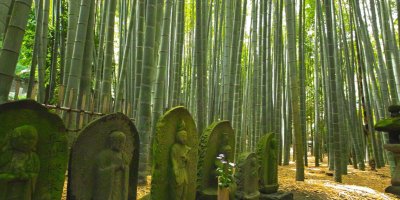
217	139
267	152
246	177
33	152
104	160
175	156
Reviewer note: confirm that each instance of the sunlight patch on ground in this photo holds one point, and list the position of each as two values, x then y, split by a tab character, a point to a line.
349	190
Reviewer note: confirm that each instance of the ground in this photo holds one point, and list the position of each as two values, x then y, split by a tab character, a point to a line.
360	185
318	185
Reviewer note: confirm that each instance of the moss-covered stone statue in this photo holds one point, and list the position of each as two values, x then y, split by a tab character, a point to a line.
175	156
392	126
104	160
217	139
19	164
247	177
33	152
179	158
267	154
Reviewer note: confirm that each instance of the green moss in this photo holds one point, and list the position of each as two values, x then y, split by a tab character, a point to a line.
51	147
267	157
389	124
210	143
246	176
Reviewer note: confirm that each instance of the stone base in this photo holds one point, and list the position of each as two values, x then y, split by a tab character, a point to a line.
277	196
207	194
254	196
393	190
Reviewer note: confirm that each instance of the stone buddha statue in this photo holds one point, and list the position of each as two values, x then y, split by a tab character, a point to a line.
19	164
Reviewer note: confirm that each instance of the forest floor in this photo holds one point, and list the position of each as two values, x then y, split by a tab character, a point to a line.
318	185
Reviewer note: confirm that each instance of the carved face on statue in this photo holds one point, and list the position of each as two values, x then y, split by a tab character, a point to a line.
24	138
117	140
182	137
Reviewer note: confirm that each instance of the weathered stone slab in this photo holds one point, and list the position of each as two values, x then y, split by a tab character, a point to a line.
267	154
247	177
175	155
104	160
217	139
33	152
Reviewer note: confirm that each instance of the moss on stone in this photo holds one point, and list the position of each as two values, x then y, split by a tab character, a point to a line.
162	175
51	147
247	177
389	124
92	139
267	156
210	143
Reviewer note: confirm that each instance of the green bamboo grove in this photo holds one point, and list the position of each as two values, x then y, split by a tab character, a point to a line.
318	74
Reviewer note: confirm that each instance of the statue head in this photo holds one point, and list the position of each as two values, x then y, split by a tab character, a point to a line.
117	140
24	138
181	137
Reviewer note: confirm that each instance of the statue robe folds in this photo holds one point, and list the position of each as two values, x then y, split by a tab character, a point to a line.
111	176
13	165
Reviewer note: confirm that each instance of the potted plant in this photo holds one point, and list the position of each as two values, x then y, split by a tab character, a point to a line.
225	171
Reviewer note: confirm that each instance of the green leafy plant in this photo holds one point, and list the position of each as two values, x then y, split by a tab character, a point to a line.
224	171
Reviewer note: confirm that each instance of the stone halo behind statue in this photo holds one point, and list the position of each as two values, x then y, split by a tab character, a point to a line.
106	151
41	135
175	156
216	139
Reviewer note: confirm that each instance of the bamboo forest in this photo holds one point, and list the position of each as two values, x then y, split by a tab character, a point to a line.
199	99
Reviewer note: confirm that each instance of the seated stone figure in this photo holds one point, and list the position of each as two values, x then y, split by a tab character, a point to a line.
179	158
19	164
112	170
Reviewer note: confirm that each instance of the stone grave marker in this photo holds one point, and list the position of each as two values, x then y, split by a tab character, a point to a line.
247	177
217	139
33	152
104	160
175	155
267	153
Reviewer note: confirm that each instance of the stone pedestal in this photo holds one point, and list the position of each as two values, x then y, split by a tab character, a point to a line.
395	187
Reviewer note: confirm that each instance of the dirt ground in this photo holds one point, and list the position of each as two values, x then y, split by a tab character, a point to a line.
318	185
357	185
